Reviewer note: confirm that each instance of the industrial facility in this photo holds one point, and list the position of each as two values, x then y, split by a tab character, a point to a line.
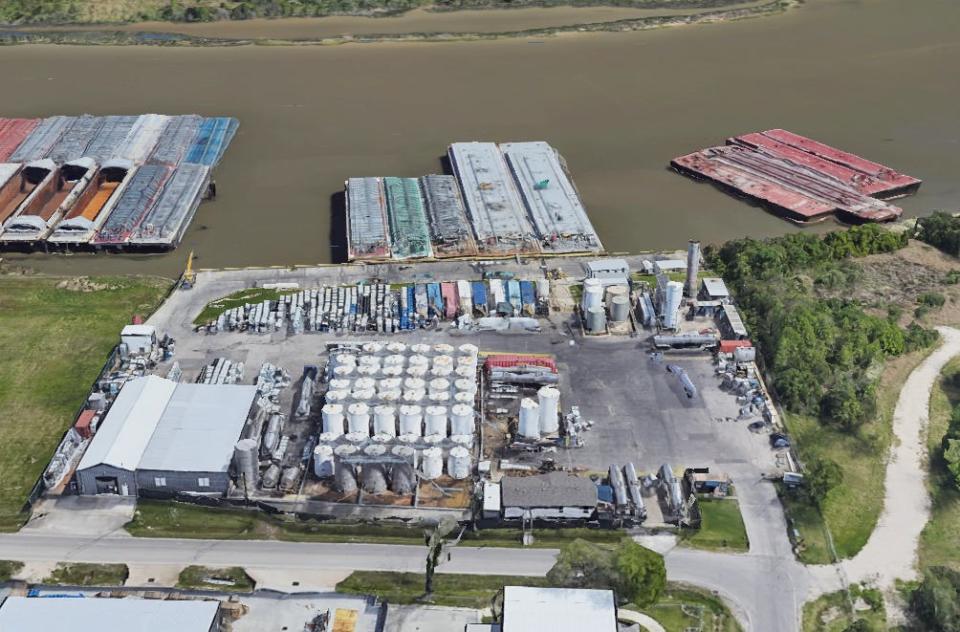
532	609
106	182
515	198
37	614
800	179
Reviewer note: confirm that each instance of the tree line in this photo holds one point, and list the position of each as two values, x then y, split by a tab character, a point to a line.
941	230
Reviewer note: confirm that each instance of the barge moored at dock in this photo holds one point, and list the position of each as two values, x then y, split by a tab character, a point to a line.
449	228
30	188
368	232
90	211
34	222
800	179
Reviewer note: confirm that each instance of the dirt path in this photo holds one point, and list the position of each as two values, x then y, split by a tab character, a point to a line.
891	551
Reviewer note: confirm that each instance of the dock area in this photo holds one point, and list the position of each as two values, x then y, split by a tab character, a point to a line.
122	183
799	178
500	201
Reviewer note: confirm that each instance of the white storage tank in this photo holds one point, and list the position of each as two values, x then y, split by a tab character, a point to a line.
391	396
529	426
417	370
418	360
336	396
345	451
464	440
671	306
620	309
548	399
246	462
543	289
345	477
441	371
392	371
363	395
344	359
420	349
394	360
332	418
411	420
435	421
343	370
468	349
461	420
442	348
372	347
367	370
385	420
374	477
369	360
390	383
596	320
439	385
323	461
443	360
592	294
339	384
396	347
358	418
463	397
466	372
364	383
414	383
403	479
467	361
458	463
405	452
374	451
431	463
616	290
442	397
465	385
412	396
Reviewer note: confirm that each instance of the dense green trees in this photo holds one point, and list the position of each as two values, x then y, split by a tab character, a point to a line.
818	351
936	601
822	476
941	230
637	574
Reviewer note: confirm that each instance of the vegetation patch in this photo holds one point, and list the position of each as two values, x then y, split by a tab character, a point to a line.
237	299
682	607
89	575
8	569
721	527
233	579
449	589
55	335
861	610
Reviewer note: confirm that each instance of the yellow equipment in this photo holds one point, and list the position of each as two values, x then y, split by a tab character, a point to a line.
189	276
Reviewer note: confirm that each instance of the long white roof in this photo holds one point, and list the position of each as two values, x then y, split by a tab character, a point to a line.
125	432
33	614
157	424
527	609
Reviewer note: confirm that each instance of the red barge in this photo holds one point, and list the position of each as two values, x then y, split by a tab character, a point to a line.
799	178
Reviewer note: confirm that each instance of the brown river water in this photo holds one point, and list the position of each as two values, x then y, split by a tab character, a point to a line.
877	77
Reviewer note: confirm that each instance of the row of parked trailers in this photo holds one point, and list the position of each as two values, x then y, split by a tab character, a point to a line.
384	308
118	182
502	200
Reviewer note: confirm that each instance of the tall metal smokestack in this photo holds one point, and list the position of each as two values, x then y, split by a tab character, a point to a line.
693	268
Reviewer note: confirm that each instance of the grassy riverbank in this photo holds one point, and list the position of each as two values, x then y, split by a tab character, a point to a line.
55	335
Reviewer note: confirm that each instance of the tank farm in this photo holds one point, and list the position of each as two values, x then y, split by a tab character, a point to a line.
125	183
800	179
501	201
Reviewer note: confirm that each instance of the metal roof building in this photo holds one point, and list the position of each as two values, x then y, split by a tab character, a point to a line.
556	495
496	211
166	436
550	198
25	614
527	609
714	289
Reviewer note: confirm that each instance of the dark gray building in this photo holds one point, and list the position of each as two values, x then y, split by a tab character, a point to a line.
553	496
164	436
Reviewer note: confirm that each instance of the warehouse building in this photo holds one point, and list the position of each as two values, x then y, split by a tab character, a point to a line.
553	496
164	436
528	609
23	614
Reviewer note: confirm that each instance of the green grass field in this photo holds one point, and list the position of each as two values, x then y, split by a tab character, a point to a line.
463	591
852	509
233	579
88	575
682	608
160	519
722	527
940	540
832	613
53	342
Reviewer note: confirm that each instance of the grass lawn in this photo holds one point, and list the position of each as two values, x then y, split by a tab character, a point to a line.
180	520
851	510
232	578
8	569
465	591
722	527
831	613
237	299
940	540
88	575
682	608
54	342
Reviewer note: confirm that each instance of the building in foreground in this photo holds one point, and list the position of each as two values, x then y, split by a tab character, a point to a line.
23	614
168	437
553	496
529	609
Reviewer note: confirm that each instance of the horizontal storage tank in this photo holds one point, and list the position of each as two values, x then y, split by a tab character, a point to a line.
529	426
332	419
548	398
411	420
431	463
323	461
358	418
620	309
385	420
461	420
458	463
435	421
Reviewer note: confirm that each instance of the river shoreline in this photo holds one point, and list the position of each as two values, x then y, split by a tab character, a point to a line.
79	36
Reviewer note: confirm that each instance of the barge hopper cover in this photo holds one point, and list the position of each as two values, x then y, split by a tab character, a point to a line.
115	130
165	223
367	232
76	138
140	195
176	140
409	232
142	138
449	226
12	133
42	139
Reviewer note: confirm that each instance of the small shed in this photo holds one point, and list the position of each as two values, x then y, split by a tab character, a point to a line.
553	496
714	289
669	265
139	339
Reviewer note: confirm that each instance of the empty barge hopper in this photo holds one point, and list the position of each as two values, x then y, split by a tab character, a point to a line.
496	211
35	221
367	228
449	227
550	198
93	207
29	188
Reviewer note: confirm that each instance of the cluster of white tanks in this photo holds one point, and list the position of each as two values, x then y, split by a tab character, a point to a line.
389	408
541	416
599	302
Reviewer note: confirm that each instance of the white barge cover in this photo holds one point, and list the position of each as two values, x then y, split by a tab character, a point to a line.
367	218
73	144
166	221
492	200
176	140
42	139
115	129
141	194
142	137
550	198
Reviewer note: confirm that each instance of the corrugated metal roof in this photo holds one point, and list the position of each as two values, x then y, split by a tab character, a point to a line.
125	432
715	286
555	489
23	614
528	609
199	428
